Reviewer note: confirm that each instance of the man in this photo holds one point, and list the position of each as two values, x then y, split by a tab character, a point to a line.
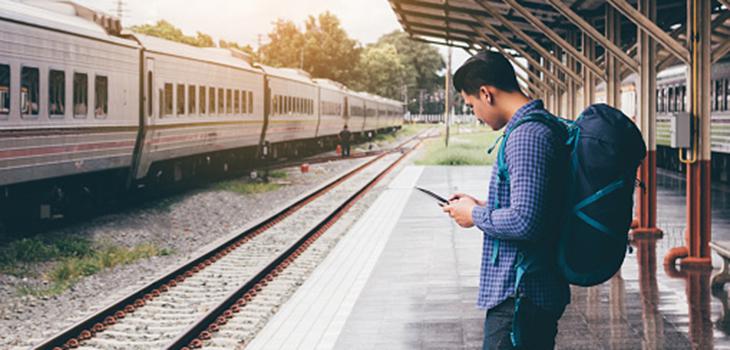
521	213
345	141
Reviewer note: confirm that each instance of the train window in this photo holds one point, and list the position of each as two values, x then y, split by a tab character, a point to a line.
202	100
672	100
101	96
149	94
229	102
727	93
682	98
81	92
29	86
281	104
250	102
180	102
56	93
221	102
4	89
244	108
192	99
211	100
168	100
274	104
237	101
718	94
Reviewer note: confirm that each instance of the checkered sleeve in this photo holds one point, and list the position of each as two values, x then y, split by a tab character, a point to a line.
529	153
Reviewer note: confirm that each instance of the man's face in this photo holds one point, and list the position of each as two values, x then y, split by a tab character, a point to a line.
483	108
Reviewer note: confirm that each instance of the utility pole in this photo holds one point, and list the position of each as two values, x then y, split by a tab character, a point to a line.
420	101
447	96
120	9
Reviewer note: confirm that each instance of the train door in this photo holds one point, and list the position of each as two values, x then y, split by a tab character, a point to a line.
148	111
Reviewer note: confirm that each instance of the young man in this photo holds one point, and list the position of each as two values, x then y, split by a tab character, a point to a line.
521	213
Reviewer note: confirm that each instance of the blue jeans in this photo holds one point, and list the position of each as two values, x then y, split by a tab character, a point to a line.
538	327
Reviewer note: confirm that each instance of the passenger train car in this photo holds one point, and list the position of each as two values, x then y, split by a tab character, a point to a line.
671	97
87	108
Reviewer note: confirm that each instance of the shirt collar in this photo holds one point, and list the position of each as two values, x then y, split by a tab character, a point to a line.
524	110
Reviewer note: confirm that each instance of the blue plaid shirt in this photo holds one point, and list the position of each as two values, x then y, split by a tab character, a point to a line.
528	214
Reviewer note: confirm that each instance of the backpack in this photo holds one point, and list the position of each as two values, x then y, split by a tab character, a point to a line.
605	149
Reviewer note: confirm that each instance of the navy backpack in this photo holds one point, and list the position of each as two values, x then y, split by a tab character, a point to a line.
605	149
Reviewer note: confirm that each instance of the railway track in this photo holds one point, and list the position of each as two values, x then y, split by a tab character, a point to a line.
187	305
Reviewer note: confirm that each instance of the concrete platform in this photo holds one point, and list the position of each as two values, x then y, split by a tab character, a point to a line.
406	277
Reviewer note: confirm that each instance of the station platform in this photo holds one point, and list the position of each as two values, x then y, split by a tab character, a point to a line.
406	277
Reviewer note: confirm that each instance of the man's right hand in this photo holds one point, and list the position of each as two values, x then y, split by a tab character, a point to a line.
459	195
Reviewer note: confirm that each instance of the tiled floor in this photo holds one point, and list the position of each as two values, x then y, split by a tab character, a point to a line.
420	293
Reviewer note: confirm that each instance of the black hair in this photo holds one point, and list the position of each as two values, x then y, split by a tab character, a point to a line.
485	68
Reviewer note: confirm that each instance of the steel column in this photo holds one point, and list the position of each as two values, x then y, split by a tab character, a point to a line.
696	253
589	81
646	119
509	56
652	29
605	41
558	90
524	36
613	66
570	93
527	15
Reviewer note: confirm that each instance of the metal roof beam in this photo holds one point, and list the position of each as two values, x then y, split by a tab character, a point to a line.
517	63
720	51
509	56
595	35
556	38
651	28
529	40
522	52
427	41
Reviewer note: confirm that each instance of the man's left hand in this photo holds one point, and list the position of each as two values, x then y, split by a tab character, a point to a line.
460	210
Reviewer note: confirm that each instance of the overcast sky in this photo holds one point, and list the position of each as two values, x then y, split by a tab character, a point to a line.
244	20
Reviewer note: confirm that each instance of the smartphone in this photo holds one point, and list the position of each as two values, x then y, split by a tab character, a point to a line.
441	200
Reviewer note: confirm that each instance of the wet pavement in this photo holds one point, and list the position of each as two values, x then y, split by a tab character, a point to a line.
421	291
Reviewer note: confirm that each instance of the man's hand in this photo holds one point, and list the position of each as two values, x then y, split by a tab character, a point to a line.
459	195
460	209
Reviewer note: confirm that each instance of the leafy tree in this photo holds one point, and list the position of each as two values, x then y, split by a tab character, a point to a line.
285	45
383	72
328	51
425	59
165	30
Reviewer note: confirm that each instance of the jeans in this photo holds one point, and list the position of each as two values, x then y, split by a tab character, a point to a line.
539	327
345	149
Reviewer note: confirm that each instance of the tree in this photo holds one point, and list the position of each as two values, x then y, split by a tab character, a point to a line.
382	71
285	45
328	51
425	59
165	30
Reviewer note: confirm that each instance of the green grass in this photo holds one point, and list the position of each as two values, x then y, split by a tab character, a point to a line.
245	187
66	272
464	148
63	260
278	174
17	256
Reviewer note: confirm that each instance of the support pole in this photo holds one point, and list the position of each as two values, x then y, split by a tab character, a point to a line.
646	119
570	93
447	97
613	65
558	98
589	81
696	253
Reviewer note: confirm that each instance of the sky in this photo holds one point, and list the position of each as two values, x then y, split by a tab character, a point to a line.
244	21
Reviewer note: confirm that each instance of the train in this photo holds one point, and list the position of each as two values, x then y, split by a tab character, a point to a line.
672	97
88	109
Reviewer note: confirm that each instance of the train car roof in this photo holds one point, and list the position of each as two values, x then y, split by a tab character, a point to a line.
64	17
330	84
212	55
288	73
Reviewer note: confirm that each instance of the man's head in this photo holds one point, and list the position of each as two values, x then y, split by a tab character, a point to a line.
487	81
345	127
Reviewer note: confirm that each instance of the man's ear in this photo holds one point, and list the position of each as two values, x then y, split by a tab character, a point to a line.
488	95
